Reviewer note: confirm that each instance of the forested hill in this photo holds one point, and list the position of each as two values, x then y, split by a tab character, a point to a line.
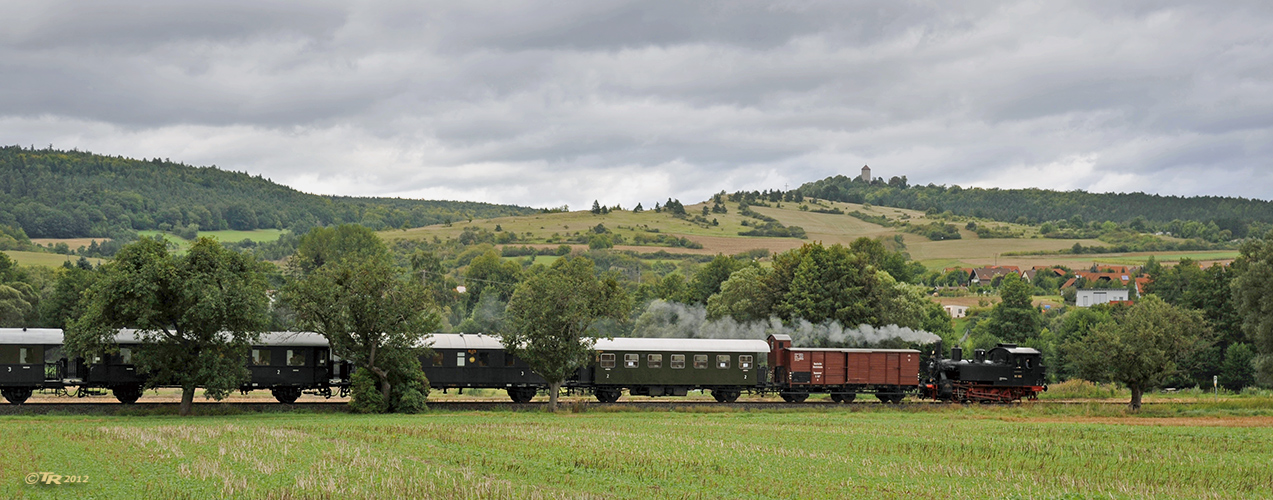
1038	205
66	194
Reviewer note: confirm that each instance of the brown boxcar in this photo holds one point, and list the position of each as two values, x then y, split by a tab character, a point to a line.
799	371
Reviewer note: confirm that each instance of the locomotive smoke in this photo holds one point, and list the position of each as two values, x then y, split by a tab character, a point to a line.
673	320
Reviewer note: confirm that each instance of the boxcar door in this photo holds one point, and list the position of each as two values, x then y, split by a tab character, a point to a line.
819	367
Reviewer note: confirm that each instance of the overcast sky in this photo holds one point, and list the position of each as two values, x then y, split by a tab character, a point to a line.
551	103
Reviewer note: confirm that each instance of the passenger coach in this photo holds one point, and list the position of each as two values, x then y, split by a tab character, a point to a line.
673	367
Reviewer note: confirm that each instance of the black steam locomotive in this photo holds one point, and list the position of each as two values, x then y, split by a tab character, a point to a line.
1004	374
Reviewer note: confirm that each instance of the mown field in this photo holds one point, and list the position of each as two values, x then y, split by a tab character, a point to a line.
44	259
1216	450
257	235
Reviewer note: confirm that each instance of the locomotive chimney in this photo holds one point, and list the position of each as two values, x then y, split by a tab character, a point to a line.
956	354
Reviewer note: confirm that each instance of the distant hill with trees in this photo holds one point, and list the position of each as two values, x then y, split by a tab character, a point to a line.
1141	211
51	193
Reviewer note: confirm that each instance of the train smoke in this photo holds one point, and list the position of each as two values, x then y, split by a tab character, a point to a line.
673	320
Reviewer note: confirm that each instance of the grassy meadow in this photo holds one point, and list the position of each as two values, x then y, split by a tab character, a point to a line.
1208	450
257	235
44	259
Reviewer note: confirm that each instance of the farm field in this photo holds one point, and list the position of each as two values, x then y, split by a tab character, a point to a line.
257	235
863	451
44	259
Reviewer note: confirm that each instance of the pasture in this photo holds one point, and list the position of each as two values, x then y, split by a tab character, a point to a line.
257	235
1202	450
44	259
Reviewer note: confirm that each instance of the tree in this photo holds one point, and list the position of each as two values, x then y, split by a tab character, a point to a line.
62	304
372	315
1014	319
1238	370
744	296
1253	292
708	279
196	314
1142	348
551	318
596	208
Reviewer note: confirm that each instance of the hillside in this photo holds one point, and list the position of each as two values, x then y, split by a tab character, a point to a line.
548	231
1214	218
72	194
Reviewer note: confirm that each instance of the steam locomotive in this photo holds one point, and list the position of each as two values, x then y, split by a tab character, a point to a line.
1006	373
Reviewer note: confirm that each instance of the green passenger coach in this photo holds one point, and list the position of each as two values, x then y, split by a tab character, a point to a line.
673	367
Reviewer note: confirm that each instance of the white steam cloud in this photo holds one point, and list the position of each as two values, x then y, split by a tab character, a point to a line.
673	320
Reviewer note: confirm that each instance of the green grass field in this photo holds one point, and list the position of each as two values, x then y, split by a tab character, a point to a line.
863	451
257	235
44	259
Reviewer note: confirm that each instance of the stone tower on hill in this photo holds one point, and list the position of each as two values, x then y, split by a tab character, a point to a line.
866	174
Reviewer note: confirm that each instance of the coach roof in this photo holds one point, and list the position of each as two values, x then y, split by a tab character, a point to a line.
30	336
683	345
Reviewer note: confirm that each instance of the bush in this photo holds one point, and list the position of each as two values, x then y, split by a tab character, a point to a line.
411	401
365	392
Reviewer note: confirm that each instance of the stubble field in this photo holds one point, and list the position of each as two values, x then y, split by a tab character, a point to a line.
1214	450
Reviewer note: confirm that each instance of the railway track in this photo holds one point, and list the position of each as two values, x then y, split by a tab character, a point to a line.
37	407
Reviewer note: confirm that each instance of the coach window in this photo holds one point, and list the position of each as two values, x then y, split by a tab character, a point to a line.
678	361
722	361
295	358
261	357
654	361
125	356
8	355
437	359
607	361
509	359
700	361
459	358
483	359
631	360
744	361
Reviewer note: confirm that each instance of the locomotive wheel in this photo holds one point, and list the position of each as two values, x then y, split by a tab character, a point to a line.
127	394
286	395
16	395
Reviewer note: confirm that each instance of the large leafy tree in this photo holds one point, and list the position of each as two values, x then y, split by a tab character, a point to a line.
1140	349
1253	292
195	314
552	316
707	280
1014	319
372	315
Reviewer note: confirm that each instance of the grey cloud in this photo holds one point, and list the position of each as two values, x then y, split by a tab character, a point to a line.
564	102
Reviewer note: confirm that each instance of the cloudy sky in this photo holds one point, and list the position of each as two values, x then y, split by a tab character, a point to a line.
549	103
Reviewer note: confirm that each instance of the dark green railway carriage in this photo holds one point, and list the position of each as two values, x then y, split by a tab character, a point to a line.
477	361
23	367
673	367
288	363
